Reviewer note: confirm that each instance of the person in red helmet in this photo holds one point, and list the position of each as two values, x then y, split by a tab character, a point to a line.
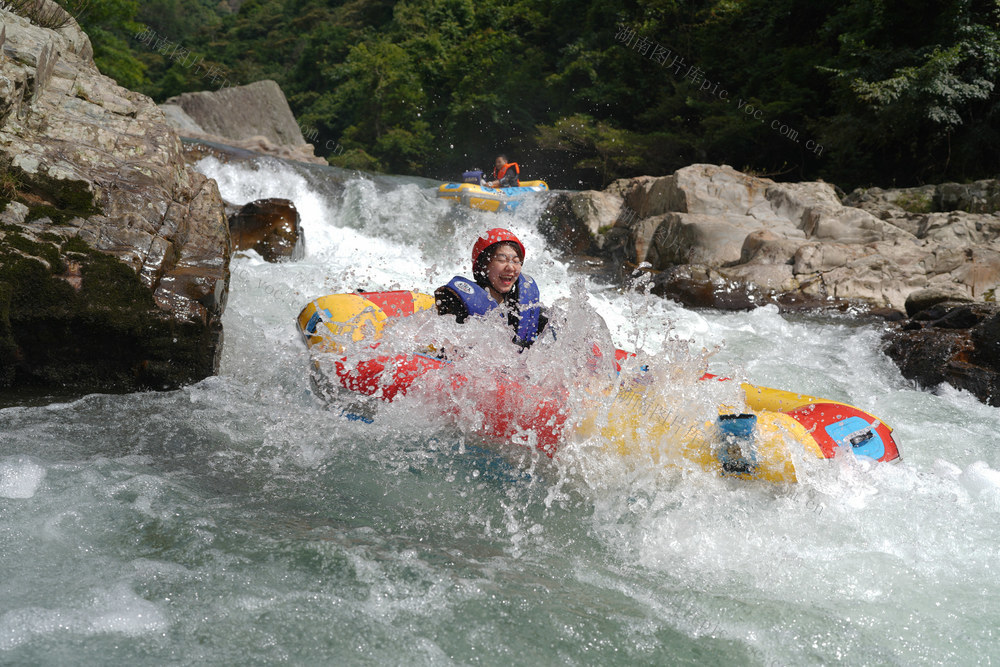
497	282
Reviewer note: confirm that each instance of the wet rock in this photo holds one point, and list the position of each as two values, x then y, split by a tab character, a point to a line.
697	286
921	300
114	254
269	226
702	287
956	343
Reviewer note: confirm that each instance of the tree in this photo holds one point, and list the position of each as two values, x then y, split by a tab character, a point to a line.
917	88
610	151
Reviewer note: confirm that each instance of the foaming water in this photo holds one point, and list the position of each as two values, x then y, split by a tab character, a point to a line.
244	520
20	477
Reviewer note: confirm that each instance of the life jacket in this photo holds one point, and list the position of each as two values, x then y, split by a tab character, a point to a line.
477	301
500	174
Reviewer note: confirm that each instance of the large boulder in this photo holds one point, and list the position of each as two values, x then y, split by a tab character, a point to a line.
114	254
741	227
253	117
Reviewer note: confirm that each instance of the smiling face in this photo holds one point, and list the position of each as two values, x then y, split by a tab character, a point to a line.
503	268
499	163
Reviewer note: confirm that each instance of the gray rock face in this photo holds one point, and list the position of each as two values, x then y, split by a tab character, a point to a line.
255	117
106	234
740	228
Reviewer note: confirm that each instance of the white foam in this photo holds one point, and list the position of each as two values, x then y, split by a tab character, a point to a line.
982	481
20	477
118	610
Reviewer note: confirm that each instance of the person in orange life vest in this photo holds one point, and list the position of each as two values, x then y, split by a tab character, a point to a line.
505	174
497	282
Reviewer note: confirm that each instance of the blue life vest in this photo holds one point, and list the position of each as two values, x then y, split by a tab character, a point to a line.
479	302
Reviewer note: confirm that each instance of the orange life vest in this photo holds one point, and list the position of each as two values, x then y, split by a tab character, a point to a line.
499	175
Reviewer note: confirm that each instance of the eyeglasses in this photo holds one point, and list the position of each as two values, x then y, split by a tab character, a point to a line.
507	259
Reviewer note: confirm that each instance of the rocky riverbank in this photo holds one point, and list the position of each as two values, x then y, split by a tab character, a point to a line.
714	237
719	238
114	253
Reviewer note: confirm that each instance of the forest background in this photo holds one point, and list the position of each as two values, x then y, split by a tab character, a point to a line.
580	92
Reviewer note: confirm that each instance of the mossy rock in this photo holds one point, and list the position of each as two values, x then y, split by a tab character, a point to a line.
915	202
58	200
105	335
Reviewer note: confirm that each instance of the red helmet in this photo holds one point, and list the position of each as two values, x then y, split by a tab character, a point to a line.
497	235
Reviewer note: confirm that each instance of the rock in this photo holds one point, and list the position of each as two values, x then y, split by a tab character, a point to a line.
596	210
649	196
575	222
893	203
254	117
960	346
110	244
980	272
241	112
766	247
811	258
923	299
978	197
986	342
697	286
881	275
702	287
847	225
873	254
771	279
713	240
959	228
269	226
178	119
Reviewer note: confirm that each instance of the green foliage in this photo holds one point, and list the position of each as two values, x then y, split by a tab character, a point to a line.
110	24
610	151
914	202
356	158
919	80
888	91
10	185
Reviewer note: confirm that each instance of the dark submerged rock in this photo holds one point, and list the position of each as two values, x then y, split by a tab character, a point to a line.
269	226
957	343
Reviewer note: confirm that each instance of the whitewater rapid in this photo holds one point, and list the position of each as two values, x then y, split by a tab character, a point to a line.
244	520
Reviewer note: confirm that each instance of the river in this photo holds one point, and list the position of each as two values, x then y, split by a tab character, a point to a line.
242	520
